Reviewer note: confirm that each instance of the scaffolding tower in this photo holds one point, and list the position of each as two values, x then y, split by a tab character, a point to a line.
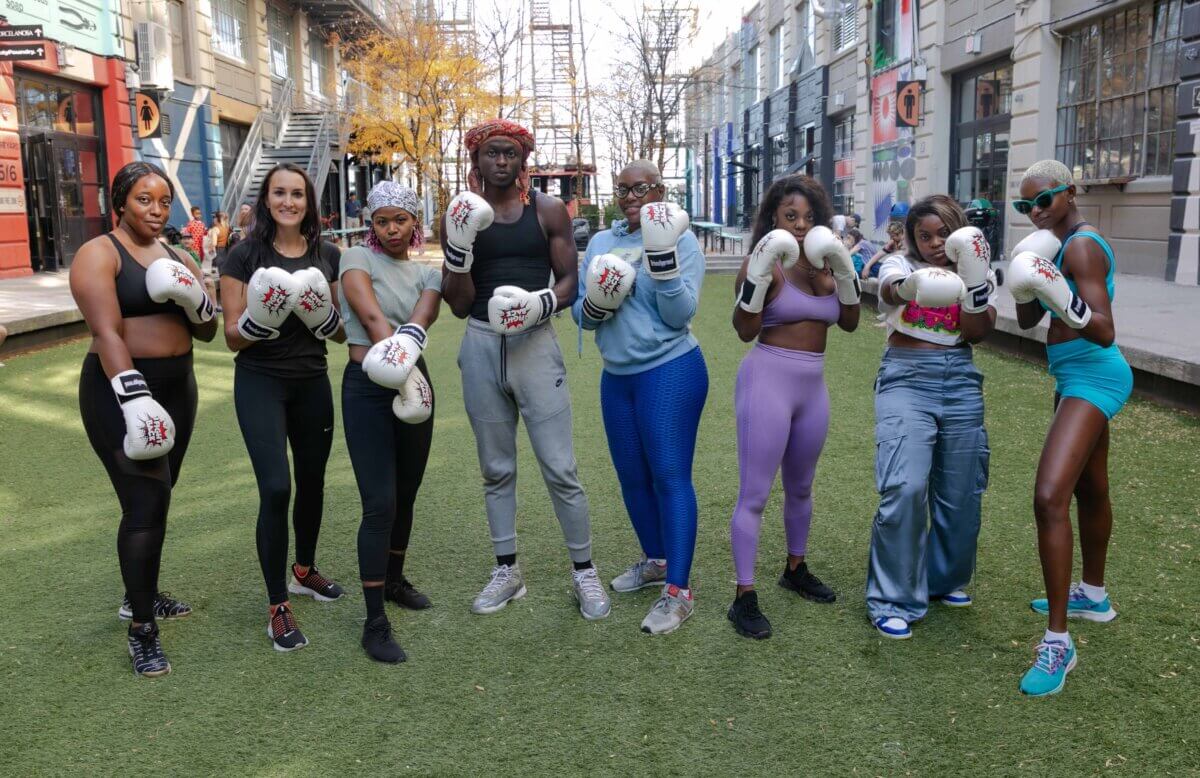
561	109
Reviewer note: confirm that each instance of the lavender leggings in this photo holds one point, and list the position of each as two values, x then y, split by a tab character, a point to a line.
782	409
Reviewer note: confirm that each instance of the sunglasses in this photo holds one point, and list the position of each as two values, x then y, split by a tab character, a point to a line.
1043	200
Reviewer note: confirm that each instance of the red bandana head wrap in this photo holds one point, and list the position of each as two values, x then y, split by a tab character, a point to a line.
505	129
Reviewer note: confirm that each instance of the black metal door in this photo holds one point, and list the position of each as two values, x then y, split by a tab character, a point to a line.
43	206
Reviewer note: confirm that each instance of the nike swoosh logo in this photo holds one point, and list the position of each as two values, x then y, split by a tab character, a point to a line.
329	429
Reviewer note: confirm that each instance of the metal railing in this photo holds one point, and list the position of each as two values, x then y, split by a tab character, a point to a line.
322	155
251	151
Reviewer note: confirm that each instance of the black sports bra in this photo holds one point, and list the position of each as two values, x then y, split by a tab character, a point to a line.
132	296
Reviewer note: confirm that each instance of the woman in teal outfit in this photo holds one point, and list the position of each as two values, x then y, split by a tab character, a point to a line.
1066	268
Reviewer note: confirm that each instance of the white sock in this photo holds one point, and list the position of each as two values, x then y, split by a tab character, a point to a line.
1094	593
1059	637
659	562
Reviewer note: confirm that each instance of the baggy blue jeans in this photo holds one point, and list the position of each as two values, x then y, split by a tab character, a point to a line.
931	469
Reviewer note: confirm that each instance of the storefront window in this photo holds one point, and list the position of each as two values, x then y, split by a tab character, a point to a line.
982	105
843	165
1116	99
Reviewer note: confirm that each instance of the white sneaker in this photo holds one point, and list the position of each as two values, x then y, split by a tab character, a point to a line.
640	575
506	584
671	610
593	602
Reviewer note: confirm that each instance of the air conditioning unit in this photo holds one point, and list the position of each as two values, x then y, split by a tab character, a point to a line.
154	56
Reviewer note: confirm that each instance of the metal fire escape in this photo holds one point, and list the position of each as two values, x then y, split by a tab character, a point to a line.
561	105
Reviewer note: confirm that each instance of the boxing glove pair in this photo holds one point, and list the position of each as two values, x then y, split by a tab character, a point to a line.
611	279
938	287
822	249
273	293
392	363
1032	275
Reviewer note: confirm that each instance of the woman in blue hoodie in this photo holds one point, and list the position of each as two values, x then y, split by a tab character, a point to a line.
639	289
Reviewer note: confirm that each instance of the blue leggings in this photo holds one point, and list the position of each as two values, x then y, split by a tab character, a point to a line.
651	420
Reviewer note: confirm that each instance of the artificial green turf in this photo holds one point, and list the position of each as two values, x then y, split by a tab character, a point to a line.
535	688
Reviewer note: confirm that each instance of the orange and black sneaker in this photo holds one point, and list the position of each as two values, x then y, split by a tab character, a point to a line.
283	630
314	585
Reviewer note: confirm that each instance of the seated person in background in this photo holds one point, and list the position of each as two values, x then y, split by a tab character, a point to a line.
894	245
859	247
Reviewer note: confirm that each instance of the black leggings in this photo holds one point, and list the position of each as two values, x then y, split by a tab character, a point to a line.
389	459
273	412
143	487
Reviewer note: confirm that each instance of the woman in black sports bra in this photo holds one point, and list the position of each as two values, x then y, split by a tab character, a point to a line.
143	303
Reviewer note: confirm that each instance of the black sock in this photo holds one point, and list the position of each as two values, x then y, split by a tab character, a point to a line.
506	559
395	565
374	597
583	565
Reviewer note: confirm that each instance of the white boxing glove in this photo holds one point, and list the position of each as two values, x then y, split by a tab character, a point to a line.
777	246
663	224
823	248
466	215
968	249
1043	243
314	303
149	430
512	309
391	361
270	297
931	287
609	281
414	402
167	279
1031	276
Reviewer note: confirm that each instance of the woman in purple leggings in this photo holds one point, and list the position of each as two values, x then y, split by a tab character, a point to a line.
798	281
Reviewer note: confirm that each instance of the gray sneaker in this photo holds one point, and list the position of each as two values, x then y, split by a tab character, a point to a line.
671	610
593	602
639	576
506	584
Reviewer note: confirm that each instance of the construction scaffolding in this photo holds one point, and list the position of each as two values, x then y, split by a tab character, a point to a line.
561	109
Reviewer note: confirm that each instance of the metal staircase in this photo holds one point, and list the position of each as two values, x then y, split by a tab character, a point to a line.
306	137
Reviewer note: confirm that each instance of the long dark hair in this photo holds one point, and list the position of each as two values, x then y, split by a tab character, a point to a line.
264	224
807	187
942	206
129	175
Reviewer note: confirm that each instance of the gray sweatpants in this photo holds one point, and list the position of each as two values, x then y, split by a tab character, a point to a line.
504	375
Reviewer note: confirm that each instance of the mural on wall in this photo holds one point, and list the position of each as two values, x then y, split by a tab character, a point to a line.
892	159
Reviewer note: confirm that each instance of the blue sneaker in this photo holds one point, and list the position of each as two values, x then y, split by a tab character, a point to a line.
1049	673
893	627
956	599
1079	606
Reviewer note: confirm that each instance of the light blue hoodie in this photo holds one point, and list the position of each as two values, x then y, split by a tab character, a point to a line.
653	325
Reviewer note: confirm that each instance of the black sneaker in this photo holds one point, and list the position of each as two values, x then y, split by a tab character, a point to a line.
165	607
146	651
315	585
405	595
283	631
378	642
806	584
747	619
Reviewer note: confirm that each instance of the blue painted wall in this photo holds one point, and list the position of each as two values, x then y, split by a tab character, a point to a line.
195	161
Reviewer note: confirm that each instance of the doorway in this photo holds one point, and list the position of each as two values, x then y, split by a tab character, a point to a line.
982	112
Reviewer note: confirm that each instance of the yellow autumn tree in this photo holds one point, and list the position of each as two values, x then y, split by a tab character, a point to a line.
421	87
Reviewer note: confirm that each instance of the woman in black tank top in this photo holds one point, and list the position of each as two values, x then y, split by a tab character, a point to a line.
137	393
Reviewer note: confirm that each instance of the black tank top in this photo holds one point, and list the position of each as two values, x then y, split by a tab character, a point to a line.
132	296
516	254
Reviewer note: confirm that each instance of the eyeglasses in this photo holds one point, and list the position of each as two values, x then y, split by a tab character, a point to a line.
638	190
1043	200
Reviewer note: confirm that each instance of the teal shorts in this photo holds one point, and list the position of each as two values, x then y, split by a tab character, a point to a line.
1090	372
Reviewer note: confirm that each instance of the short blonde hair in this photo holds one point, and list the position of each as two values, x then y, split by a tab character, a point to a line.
1049	170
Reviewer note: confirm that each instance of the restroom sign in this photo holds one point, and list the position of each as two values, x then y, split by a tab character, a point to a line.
147	116
908	103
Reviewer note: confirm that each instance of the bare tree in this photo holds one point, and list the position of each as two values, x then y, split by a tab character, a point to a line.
500	41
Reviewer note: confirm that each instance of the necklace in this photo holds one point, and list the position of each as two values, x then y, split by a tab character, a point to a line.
281	252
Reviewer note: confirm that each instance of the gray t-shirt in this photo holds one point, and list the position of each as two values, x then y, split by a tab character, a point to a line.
397	284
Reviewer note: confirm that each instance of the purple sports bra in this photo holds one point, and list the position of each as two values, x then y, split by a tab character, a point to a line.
792	305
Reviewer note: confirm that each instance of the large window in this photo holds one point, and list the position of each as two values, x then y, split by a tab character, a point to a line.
1116	97
775	59
845	26
230	33
753	57
806	39
843	165
177	19
279	39
318	62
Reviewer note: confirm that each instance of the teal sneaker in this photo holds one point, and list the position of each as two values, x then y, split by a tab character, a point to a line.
1079	606
1049	673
